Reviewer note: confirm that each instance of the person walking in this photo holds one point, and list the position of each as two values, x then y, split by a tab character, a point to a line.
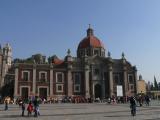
133	105
147	99
6	104
23	108
36	107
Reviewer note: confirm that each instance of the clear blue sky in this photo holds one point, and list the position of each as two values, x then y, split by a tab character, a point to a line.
52	26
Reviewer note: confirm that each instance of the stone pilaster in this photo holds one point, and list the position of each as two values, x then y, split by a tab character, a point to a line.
111	81
135	81
69	73
103	89
70	83
125	82
93	92
86	75
51	81
34	81
16	83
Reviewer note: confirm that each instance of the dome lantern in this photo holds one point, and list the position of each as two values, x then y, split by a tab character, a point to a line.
90	31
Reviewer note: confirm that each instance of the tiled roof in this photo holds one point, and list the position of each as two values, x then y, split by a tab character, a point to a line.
57	61
90	41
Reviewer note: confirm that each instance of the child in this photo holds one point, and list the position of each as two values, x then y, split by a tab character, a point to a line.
30	109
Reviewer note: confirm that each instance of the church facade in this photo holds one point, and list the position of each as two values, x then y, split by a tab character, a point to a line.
89	74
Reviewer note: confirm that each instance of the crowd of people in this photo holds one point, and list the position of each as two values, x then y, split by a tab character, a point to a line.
31	105
80	99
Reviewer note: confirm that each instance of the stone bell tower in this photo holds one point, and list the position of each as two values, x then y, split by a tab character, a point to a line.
5	61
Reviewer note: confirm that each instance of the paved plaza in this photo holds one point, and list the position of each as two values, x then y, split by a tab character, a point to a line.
94	111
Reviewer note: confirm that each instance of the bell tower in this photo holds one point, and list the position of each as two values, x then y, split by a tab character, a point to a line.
5	61
7	53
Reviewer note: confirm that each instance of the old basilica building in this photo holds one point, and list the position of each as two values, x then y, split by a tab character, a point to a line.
90	74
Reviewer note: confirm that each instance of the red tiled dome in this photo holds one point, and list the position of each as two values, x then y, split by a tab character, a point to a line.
91	41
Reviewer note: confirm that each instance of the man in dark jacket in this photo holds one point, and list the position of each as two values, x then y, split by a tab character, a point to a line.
133	105
36	107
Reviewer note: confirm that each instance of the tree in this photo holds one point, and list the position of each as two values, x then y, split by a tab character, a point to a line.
158	85
151	87
7	90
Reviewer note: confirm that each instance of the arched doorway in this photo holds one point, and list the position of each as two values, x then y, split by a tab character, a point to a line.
97	90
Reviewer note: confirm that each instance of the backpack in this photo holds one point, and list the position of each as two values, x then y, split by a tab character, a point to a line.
132	101
30	108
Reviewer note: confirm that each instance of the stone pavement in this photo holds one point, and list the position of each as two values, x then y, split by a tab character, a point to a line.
94	111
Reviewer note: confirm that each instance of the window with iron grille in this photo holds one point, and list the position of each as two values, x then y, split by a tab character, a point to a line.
77	82
59	77
25	75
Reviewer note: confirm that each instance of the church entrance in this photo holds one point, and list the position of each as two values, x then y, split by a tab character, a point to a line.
43	93
97	91
24	93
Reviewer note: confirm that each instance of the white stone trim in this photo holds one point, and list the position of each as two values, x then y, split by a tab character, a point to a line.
57	77
28	74
57	87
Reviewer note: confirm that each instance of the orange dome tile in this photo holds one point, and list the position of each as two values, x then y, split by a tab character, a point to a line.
90	41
